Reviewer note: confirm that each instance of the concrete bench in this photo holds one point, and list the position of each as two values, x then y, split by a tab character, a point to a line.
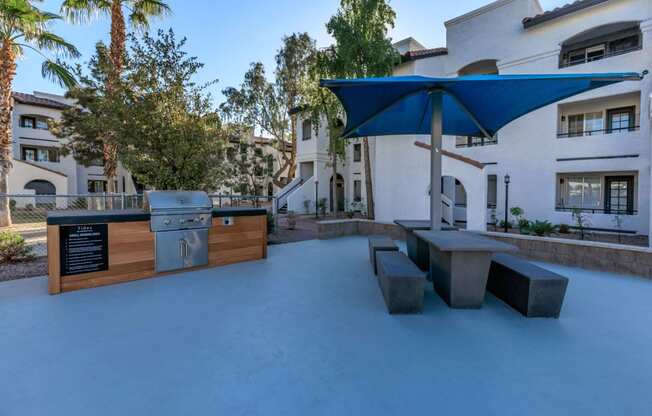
526	287
401	282
379	243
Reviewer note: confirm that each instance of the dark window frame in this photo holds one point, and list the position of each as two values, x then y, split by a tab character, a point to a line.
630	110
629	208
306	127
357	152
608	42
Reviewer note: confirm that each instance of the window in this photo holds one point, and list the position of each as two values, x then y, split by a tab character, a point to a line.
492	191
99	186
620	119
619	197
357	190
473	141
40	154
29	154
31	122
581	191
617	40
306	130
357	152
41	123
576	125
96	186
27	122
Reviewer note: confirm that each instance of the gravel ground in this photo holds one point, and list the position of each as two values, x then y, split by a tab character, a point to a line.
13	271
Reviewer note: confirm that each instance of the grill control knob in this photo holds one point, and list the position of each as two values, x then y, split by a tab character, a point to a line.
166	221
182	221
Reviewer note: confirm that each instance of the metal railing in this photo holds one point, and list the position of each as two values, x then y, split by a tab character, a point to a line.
598	210
566	62
583	133
31	208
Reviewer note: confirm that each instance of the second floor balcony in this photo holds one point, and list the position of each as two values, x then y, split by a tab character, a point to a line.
606	115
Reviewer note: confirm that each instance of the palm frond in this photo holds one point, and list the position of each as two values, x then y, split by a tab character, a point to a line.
83	11
52	42
142	10
58	73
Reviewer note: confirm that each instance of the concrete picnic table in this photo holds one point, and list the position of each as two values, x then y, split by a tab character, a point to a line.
459	265
417	248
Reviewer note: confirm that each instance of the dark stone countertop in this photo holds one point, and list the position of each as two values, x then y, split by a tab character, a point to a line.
74	217
413	225
463	241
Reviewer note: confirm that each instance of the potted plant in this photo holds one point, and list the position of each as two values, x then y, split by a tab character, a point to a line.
292	220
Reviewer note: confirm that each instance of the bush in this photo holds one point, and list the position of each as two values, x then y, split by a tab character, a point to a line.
541	228
13	248
501	225
523	224
270	223
563	229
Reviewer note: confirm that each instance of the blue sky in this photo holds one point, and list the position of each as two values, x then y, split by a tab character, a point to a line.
227	35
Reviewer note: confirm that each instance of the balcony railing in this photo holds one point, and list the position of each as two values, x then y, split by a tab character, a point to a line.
583	133
475	141
566	63
598	210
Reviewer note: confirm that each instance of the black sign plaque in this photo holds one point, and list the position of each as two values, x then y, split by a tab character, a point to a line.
84	248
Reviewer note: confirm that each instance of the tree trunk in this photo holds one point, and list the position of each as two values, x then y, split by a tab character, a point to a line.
7	73
293	154
368	180
116	54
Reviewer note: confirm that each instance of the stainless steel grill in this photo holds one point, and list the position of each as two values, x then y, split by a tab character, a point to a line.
180	221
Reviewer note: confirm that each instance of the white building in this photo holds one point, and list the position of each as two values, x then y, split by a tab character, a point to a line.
591	151
39	168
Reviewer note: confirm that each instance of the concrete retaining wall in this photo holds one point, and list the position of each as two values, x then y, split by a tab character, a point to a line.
590	255
585	254
340	228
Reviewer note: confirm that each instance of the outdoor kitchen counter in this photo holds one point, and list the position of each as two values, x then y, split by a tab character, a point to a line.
79	217
96	248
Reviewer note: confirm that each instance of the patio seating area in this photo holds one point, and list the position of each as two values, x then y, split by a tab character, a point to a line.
306	332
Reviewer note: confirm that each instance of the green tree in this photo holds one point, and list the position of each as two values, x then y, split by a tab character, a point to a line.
139	12
324	107
293	62
265	106
363	49
165	128
247	164
24	26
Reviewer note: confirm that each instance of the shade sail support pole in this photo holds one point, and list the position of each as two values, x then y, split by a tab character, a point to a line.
436	130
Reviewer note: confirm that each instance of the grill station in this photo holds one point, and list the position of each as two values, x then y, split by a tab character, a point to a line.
180	221
176	230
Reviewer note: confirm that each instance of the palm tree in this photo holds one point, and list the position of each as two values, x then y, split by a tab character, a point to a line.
139	13
24	26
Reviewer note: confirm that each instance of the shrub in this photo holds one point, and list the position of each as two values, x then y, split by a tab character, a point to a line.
13	248
501	225
523	224
270	223
563	229
541	228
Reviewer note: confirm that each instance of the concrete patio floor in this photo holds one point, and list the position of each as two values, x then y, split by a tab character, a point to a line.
305	332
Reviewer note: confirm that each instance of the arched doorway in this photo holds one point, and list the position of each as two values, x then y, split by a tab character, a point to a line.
340	193
43	187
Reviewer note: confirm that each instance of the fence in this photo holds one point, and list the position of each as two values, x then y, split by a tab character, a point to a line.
29	211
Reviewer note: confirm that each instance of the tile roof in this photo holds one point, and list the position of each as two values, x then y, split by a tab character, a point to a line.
560	11
31	99
423	53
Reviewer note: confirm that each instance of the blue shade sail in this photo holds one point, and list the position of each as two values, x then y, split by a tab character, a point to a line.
401	105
